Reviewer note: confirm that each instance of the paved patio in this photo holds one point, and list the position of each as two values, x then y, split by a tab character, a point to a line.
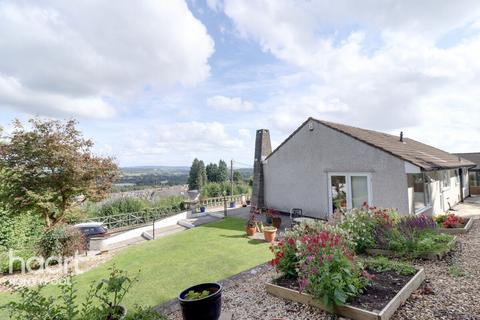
470	208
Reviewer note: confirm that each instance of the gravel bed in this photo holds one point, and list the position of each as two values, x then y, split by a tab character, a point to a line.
451	291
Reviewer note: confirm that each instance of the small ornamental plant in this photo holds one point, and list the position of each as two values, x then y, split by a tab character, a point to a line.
194	295
449	220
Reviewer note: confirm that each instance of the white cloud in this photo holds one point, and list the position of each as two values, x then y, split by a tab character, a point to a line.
172	143
75	56
374	64
13	93
229	104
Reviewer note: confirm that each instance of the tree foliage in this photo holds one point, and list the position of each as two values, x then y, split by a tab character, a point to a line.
222	171
49	168
197	176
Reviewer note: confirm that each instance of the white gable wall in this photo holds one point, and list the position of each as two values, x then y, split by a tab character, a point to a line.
296	175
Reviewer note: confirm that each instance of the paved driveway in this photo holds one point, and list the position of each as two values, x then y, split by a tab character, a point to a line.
469	208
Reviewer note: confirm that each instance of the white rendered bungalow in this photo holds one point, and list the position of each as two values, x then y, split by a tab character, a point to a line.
323	166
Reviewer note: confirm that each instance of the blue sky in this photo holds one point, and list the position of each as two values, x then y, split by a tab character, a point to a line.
162	82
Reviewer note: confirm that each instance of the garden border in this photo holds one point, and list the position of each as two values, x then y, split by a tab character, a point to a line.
463	230
352	312
427	255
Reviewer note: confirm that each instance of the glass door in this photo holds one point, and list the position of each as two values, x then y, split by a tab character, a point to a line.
338	186
349	190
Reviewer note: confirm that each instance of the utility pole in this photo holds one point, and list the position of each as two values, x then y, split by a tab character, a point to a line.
231	178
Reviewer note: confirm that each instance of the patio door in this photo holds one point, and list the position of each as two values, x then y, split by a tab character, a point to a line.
349	190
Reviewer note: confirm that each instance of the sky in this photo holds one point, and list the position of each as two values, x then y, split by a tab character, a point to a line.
156	82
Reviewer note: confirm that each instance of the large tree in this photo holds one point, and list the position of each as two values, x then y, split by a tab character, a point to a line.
49	168
212	172
222	171
195	177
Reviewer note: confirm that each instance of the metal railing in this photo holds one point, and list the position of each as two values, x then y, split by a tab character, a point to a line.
134	219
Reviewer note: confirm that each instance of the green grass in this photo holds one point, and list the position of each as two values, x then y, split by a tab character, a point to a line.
168	265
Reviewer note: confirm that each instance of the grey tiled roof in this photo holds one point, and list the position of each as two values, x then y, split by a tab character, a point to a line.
471	156
422	155
417	153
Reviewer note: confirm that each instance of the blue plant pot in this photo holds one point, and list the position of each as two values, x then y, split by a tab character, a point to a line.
203	209
232	204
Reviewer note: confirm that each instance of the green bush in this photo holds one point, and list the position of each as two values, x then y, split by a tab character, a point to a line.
61	241
100	304
173	202
382	264
122	205
215	189
19	233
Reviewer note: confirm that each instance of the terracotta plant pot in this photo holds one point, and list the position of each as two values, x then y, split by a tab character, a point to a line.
277	222
269	234
250	230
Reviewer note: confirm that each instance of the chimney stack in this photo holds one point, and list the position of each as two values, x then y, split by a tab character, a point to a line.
263	148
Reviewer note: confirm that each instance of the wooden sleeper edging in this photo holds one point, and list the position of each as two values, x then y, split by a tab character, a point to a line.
349	311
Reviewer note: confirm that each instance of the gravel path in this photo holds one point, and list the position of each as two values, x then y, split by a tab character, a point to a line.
452	291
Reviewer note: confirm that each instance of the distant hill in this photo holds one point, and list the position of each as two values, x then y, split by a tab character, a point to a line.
140	177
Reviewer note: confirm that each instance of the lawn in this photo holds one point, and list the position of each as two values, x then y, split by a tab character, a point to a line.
207	253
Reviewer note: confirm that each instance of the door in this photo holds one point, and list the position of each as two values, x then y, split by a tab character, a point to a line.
349	190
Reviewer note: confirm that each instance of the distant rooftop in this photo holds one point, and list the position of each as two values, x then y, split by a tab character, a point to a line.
471	156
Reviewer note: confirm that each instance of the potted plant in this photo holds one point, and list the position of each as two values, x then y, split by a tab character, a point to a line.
269	233
276	221
201	302
251	226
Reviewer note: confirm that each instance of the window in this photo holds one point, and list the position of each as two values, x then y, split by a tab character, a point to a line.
419	190
349	190
445	179
474	178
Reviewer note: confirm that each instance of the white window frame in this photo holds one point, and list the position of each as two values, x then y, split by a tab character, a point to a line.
427	194
348	181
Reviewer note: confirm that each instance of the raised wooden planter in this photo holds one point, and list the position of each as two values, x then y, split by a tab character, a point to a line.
348	311
427	255
465	228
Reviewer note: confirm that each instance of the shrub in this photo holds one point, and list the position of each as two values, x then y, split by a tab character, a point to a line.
382	264
365	225
215	189
31	303
173	202
322	261
286	256
19	233
327	269
122	205
61	241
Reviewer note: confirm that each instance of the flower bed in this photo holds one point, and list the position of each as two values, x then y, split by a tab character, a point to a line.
452	224
384	232
318	267
364	307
